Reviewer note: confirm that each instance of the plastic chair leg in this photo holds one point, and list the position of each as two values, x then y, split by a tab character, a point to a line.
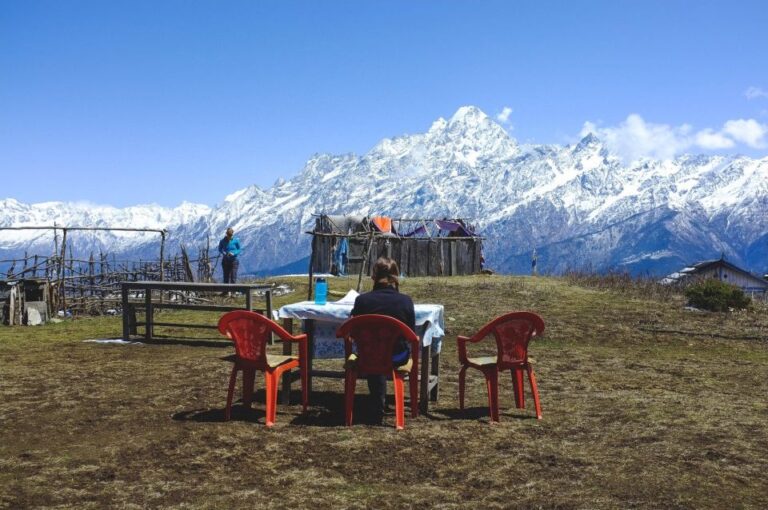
397	379
515	387
270	397
518	385
492	380
230	393
462	381
249	376
534	391
349	395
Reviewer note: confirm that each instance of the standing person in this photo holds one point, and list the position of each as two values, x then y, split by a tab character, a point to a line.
386	299
229	248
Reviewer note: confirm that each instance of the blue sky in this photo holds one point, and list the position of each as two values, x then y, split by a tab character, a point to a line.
135	102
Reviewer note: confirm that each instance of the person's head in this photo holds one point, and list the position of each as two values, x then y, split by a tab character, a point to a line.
230	232
385	272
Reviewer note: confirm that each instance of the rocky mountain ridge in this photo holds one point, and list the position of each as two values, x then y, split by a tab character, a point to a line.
578	205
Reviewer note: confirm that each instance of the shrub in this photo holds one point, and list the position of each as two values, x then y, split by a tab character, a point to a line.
717	296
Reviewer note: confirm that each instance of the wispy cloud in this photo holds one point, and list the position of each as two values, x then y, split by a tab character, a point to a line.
712	140
503	116
634	138
747	131
755	93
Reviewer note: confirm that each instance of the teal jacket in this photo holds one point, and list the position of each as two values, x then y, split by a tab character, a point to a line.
232	246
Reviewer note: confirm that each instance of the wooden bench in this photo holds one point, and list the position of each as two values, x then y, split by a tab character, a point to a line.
150	305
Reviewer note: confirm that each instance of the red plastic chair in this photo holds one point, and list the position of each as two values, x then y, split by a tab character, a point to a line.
375	337
250	332
512	331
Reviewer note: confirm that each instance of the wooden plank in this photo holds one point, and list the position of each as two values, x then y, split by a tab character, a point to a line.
416	252
452	247
126	314
206	287
426	356
175	325
285	393
148	313
462	260
12	306
458	255
356	256
404	262
205	308
423	257
441	263
310	328
434	378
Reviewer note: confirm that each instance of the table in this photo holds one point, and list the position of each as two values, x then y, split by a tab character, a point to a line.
150	306
429	326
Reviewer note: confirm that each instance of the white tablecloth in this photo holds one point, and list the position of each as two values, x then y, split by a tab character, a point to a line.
429	324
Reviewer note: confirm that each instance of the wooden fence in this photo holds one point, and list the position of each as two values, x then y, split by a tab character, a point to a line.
93	285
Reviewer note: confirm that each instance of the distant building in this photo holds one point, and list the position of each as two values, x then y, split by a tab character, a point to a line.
723	271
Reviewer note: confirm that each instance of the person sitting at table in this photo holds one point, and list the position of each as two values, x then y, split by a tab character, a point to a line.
386	299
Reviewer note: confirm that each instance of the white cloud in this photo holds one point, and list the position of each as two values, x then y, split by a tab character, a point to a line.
747	131
503	116
755	93
712	140
634	138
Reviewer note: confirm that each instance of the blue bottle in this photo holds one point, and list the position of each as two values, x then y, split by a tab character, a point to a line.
321	291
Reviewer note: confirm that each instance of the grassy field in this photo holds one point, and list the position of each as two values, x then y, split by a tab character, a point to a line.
645	405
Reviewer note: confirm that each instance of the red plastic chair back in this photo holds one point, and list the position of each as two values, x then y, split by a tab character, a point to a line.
375	337
250	332
512	332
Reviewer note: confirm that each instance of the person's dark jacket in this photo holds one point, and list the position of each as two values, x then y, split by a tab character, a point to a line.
388	301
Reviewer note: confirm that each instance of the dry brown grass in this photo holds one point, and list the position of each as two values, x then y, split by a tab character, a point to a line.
645	405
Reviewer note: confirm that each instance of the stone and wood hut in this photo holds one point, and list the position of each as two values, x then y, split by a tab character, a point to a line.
421	247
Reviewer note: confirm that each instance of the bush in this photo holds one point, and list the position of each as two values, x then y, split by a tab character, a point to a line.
716	296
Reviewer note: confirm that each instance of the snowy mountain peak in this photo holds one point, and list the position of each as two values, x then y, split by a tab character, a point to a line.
590	140
469	115
438	126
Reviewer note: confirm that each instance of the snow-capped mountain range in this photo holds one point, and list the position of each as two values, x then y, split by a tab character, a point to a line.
578	205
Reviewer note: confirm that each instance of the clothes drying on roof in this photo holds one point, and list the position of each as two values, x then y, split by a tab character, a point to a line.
382	223
419	231
343	224
455	228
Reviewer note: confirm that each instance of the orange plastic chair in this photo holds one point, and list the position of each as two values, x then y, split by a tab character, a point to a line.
512	331
375	337
250	332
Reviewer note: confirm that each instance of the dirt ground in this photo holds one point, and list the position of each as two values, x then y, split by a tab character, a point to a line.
645	405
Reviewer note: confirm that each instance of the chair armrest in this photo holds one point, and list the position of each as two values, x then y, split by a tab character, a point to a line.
461	342
303	346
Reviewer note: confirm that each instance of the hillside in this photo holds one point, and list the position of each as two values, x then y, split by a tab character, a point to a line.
644	405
